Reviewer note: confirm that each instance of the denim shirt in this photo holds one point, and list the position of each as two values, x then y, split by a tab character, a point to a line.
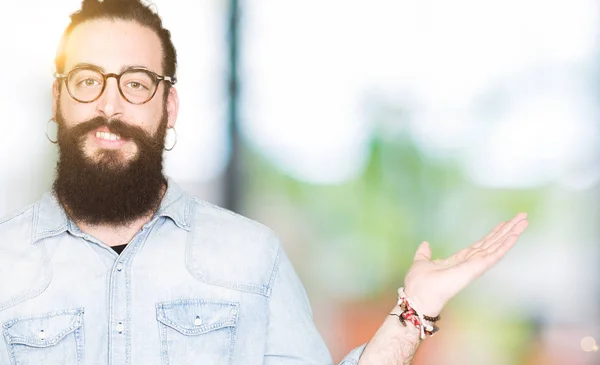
196	285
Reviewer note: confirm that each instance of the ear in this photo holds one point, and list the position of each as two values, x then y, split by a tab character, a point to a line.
172	107
55	96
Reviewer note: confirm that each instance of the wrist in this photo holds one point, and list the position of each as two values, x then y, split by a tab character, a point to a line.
425	305
410	313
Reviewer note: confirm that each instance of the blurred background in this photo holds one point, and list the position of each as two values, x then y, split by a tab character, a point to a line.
358	129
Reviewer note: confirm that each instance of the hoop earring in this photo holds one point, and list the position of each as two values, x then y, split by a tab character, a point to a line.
53	141
174	134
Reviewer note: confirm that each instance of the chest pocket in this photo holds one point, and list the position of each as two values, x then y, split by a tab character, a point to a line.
52	338
195	331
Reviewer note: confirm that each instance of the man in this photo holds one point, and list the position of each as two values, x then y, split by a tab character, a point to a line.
119	266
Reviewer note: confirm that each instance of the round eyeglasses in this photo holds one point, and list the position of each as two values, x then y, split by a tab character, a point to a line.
137	85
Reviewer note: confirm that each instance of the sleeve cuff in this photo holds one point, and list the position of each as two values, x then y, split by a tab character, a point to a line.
353	356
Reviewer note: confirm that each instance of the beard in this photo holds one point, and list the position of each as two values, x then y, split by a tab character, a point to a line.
111	189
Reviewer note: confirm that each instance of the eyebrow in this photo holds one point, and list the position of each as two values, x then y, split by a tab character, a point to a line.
123	68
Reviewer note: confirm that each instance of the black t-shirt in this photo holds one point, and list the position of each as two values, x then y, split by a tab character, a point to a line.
118	249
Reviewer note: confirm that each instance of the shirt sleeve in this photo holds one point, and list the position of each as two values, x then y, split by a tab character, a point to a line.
292	337
353	356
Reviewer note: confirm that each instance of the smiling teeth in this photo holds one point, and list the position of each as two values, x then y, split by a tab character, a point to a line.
108	136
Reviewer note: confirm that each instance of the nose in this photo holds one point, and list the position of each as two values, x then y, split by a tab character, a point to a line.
110	104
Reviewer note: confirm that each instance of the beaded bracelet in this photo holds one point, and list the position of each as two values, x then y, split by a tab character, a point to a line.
409	313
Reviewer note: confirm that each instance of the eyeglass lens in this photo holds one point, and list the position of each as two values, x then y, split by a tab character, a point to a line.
137	86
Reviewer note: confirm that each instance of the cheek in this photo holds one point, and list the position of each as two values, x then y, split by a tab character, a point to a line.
73	111
148	118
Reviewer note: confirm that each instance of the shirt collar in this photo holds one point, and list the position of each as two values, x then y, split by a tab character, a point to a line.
50	218
176	205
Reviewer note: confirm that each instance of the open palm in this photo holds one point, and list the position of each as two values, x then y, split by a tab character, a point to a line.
431	283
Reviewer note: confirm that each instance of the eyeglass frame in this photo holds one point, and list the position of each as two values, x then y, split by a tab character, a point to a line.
157	78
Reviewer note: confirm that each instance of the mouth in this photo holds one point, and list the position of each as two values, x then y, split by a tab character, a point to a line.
107	136
106	139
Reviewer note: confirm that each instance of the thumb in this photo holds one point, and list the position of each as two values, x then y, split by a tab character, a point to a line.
423	252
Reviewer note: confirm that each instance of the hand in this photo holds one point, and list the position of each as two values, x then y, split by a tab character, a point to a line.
430	284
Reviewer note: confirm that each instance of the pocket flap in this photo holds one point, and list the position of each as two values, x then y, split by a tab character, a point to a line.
195	317
45	330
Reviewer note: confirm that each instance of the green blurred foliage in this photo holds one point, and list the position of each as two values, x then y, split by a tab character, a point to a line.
375	221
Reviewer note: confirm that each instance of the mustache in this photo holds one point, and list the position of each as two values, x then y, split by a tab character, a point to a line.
144	140
115	126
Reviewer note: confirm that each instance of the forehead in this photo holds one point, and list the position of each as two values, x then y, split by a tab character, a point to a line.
112	45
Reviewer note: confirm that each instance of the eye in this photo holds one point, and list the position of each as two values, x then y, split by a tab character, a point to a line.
89	82
136	85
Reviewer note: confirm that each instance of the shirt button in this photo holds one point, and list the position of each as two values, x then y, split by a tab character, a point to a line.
120	327
197	321
119	266
42	335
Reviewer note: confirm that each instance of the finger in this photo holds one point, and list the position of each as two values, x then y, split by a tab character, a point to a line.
482	261
492	257
505	229
508	226
517	229
457	257
460	256
423	252
493	231
491	245
489	235
467	252
478	248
